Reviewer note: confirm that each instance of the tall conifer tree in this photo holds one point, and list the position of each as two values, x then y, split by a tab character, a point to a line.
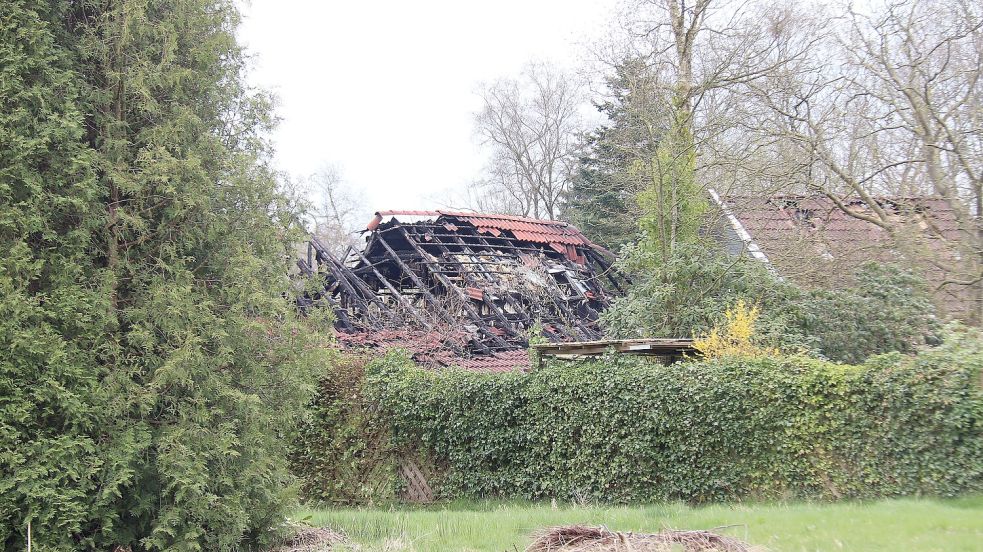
150	352
52	309
603	197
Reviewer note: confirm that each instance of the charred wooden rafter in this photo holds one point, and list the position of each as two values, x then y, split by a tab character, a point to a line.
492	277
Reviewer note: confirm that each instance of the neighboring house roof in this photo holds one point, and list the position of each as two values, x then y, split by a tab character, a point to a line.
812	241
464	289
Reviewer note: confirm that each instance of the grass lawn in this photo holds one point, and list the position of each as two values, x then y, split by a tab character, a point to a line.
904	524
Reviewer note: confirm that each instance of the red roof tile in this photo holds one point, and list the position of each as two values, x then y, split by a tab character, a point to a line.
523	228
430	349
808	237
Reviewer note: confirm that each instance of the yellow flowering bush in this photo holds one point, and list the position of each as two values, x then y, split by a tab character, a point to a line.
734	336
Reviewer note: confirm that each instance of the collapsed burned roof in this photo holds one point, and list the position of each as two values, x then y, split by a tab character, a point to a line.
478	283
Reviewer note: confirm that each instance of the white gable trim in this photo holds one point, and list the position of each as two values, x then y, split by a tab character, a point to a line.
741	232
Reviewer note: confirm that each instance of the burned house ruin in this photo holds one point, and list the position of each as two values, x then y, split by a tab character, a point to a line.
464	289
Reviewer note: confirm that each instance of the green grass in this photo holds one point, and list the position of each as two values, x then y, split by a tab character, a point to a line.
903	524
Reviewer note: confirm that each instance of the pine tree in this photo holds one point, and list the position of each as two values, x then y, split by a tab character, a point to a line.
637	181
601	203
603	197
186	361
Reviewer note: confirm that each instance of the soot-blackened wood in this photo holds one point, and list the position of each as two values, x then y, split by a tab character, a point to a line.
496	311
367	293
448	285
396	293
481	267
434	302
353	295
509	245
519	308
609	270
567	321
304	267
362	297
420	284
520	311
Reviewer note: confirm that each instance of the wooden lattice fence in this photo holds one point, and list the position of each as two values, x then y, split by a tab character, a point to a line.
416	476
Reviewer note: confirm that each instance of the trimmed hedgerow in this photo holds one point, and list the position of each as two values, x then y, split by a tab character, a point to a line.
623	429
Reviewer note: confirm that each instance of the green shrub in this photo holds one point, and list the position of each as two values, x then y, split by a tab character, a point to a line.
887	309
625	429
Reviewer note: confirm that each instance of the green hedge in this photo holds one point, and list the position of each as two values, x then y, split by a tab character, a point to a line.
343	451
624	429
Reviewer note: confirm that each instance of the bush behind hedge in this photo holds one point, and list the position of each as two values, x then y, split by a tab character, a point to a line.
626	429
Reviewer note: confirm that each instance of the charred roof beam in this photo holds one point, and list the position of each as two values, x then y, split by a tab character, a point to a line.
423	288
482	327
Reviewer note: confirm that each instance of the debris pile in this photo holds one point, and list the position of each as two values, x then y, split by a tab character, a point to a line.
581	538
462	288
311	539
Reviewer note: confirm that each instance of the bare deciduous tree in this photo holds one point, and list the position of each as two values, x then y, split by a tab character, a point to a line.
337	213
896	109
703	60
531	124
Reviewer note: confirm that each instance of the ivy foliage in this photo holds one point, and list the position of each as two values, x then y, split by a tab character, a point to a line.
343	451
887	309
622	429
151	370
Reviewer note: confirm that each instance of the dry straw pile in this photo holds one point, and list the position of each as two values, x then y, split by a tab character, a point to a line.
577	538
312	539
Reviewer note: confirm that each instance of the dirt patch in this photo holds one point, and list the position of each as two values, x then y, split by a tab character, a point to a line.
581	538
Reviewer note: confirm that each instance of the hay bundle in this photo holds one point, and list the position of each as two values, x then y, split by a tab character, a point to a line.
311	539
576	538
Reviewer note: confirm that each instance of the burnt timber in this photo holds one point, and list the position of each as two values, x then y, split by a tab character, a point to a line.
668	350
479	282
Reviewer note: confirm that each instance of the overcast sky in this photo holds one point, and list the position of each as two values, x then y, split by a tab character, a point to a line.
386	90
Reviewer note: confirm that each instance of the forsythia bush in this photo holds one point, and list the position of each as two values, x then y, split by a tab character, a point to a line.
735	337
767	427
